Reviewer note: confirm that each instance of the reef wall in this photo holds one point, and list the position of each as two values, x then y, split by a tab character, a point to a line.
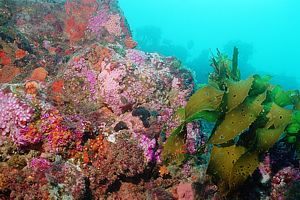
84	115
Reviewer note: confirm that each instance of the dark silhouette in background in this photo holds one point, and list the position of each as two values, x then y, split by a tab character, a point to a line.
150	39
201	65
286	81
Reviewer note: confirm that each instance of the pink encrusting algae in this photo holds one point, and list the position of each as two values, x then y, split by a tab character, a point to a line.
39	164
97	22
137	57
14	115
113	25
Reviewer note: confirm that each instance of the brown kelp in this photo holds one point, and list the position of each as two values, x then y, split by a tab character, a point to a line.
250	116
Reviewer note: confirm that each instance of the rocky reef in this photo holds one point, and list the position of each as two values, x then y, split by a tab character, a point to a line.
86	115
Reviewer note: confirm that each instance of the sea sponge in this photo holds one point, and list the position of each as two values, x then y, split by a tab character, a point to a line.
39	74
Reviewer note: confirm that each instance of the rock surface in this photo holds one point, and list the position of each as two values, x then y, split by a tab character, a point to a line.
84	115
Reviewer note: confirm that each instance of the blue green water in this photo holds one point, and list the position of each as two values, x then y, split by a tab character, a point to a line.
267	33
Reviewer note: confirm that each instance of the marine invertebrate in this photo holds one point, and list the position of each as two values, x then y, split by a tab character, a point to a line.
44	180
113	25
28	135
25	184
56	91
3	182
97	22
65	181
194	137
78	14
177	95
111	90
20	53
137	57
57	136
282	181
31	87
265	169
38	74
17	162
128	191
5	60
143	114
14	115
150	148
95	150
96	103
124	158
39	164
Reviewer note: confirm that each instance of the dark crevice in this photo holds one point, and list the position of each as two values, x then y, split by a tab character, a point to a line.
148	174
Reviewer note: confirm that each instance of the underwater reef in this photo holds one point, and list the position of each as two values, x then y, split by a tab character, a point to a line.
86	115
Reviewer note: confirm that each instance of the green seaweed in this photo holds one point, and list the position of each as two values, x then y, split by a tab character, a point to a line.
293	128
296	117
281	97
292	139
260	84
